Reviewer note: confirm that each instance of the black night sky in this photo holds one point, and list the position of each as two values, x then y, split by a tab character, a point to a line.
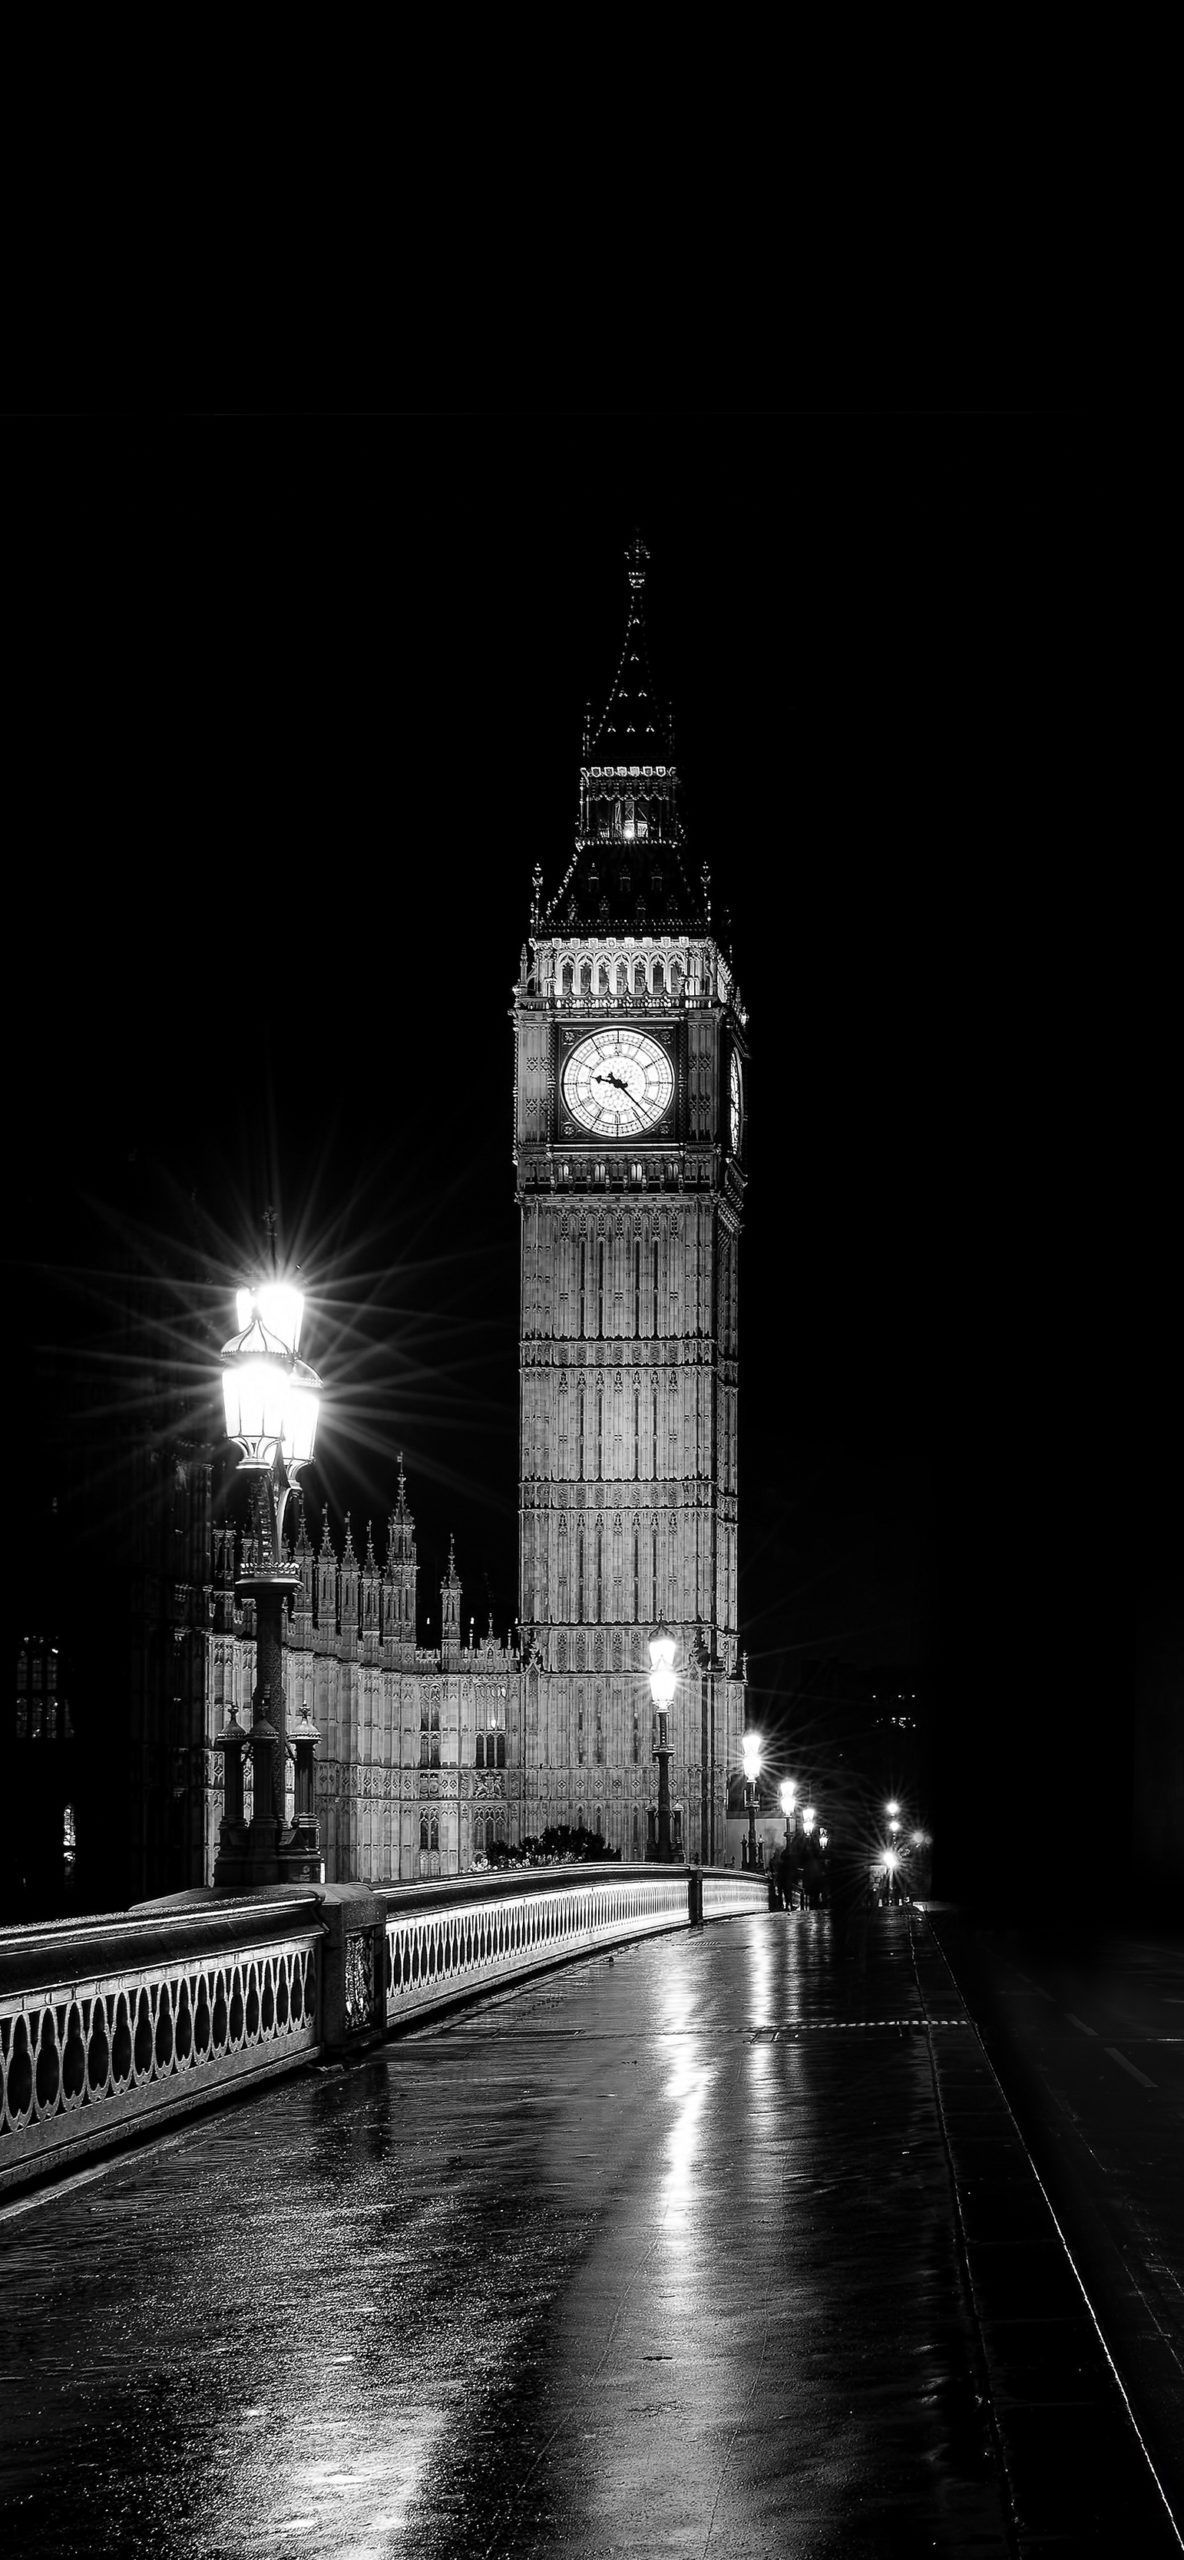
304	709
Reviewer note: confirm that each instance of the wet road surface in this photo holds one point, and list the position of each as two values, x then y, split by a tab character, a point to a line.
722	2245
1085	2023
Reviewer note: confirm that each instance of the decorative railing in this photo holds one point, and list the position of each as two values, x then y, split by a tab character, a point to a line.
436	1954
138	2017
109	2026
727	1892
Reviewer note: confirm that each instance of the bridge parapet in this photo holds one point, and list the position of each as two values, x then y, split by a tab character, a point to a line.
110	2025
445	1950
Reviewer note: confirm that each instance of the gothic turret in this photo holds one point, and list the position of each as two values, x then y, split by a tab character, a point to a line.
326	1583
398	1599
450	1592
370	1585
349	1583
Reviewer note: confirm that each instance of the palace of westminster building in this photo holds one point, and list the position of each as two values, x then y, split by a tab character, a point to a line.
629	1069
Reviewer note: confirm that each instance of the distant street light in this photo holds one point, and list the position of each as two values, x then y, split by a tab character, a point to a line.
272	1400
663	1685
788	1792
751	1751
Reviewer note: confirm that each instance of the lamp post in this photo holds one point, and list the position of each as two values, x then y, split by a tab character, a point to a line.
789	1796
272	1399
663	1683
892	1861
750	1752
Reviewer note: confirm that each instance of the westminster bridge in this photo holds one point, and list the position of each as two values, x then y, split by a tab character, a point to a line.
584	2211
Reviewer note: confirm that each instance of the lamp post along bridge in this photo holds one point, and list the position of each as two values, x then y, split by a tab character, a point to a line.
272	1399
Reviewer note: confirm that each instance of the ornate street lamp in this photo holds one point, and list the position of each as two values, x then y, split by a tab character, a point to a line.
272	1400
663	1683
751	1749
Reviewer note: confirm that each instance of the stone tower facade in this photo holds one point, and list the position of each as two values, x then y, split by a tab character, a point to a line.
629	1127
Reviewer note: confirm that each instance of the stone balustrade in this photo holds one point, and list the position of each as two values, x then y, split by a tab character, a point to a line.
110	2026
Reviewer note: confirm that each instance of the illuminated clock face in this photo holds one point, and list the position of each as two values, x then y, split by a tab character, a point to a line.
735	1103
618	1082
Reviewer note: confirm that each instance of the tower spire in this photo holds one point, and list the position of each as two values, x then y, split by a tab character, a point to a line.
628	870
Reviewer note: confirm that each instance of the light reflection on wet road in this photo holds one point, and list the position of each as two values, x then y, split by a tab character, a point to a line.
602	2265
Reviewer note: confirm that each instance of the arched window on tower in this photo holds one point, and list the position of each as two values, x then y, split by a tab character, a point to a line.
585	977
566	978
627	823
639	978
659	978
622	978
480	1751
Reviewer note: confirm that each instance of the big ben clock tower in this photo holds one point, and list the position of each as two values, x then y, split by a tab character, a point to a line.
629	1147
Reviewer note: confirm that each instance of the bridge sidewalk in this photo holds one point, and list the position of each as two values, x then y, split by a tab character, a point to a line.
724	2244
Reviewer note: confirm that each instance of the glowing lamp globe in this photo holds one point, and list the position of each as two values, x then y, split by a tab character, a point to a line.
300	1416
809	1817
256	1375
662	1677
750	1752
789	1796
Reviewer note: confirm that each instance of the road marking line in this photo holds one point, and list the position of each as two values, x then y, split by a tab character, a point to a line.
1132	2067
1080	2022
